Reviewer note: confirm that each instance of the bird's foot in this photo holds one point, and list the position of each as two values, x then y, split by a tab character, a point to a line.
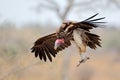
82	61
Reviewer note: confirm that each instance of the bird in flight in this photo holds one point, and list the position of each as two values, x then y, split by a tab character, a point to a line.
48	46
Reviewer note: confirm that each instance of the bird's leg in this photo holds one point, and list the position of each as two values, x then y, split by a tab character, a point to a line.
83	57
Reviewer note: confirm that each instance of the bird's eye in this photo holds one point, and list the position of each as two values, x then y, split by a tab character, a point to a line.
60	36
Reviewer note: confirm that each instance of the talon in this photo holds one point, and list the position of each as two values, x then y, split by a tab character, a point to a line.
78	65
87	57
80	62
83	60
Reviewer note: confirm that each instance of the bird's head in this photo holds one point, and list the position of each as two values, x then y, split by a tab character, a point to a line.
60	40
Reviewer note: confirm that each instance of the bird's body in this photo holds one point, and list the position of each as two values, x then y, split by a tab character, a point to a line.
78	40
79	32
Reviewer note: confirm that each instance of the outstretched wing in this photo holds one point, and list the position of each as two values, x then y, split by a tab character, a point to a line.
44	47
87	24
90	23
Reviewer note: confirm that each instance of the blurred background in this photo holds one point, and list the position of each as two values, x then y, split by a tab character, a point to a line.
24	21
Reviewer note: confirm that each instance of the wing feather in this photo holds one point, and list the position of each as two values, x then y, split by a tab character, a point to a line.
48	54
44	54
91	17
36	53
51	50
40	51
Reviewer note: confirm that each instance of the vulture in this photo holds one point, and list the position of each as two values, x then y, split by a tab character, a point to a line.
48	46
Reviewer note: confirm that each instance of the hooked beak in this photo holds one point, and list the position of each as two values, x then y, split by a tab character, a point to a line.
58	42
56	46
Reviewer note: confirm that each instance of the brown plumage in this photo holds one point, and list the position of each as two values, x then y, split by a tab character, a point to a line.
79	32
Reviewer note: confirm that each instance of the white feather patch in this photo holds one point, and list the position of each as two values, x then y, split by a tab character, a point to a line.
78	39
